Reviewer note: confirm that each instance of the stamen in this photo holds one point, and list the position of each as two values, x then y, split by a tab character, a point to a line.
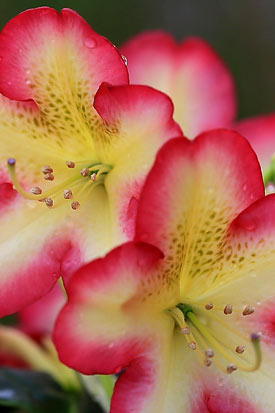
85	172
49	202
75	205
47	169
68	194
70	164
228	309
207	362
208	306
36	190
93	176
240	349
49	177
230	368
255	340
248	310
209	353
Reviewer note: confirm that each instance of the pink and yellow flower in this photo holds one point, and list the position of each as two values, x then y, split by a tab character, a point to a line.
200	85
181	307
80	146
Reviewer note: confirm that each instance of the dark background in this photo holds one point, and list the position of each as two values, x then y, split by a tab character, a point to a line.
242	31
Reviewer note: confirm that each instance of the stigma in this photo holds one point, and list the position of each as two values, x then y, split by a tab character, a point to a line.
83	177
210	343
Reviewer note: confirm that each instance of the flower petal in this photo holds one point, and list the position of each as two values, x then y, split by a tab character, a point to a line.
191	73
142	120
96	330
58	61
260	133
37	319
191	195
32	249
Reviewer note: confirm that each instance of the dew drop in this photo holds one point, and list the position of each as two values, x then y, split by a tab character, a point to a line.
244	187
90	42
125	60
27	71
249	226
27	81
9	82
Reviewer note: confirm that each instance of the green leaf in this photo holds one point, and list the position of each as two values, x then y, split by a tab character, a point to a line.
33	391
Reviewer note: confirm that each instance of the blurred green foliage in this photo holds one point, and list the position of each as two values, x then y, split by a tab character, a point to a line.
243	33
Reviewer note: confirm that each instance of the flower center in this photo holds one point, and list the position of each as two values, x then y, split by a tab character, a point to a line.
208	342
81	182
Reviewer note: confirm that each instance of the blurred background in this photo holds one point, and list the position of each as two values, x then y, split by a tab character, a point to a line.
242	32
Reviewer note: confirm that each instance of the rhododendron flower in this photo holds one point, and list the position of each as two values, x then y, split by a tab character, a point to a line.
83	153
184	327
200	85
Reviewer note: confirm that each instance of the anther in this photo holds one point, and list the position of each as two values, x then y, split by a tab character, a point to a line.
207	362
209	353
70	164
93	176
230	368
185	330
75	205
36	190
68	194
85	172
49	202
47	169
248	310
228	309
49	177
208	306
192	345
239	349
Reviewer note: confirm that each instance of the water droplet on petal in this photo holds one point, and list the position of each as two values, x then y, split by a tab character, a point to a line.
90	42
244	187
27	81
249	226
9	82
27	71
125	60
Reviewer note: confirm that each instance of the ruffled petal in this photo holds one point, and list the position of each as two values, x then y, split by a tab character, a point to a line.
141	120
193	192
58	61
191	73
96	330
260	133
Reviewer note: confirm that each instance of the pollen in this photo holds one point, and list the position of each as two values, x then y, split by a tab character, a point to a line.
49	202
93	176
192	345
248	310
209	353
185	330
207	362
47	169
36	190
208	306
75	205
49	177
68	194
230	368
85	172
70	164
228	309
240	349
